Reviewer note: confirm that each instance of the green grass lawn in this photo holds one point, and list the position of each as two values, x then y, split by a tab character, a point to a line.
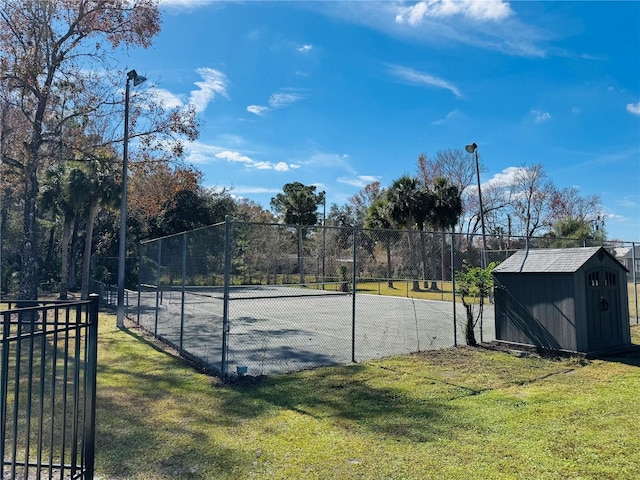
453	414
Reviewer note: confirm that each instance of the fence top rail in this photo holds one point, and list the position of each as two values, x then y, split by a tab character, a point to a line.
28	305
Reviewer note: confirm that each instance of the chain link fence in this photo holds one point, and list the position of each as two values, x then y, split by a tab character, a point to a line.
265	298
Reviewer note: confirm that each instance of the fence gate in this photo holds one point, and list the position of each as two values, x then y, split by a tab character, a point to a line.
47	390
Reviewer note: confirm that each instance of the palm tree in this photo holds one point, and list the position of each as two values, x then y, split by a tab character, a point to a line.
379	220
445	212
99	189
408	203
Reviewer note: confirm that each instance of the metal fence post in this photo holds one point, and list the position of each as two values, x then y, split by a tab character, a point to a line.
635	277
225	308
184	280
4	386
353	296
90	392
453	288
158	288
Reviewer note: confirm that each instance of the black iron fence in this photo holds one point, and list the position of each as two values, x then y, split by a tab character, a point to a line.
48	389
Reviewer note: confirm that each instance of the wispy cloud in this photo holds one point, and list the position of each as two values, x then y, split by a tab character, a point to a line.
486	24
304	48
282	99
214	83
493	10
359	181
540	116
279	99
416	77
634	108
236	157
449	116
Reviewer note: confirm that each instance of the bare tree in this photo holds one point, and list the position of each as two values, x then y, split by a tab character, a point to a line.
57	75
531	193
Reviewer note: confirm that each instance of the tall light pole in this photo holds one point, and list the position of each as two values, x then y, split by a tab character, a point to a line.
473	148
137	80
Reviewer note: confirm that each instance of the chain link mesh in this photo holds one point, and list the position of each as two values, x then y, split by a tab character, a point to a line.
297	297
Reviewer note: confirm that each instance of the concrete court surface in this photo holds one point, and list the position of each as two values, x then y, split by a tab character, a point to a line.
283	334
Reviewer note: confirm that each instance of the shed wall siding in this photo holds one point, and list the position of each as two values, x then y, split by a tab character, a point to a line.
536	309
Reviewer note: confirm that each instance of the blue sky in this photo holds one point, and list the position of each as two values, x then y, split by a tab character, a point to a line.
341	94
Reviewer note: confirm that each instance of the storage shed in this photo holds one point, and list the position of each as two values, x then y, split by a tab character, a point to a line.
572	299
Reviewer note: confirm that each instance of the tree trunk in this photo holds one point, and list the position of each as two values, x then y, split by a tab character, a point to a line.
88	240
73	254
29	270
64	273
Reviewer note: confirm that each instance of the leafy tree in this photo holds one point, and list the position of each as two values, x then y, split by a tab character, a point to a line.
56	72
474	283
298	205
250	211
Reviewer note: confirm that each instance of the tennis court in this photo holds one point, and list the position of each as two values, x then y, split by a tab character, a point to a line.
276	329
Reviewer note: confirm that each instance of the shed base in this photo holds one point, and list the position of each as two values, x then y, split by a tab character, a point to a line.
523	349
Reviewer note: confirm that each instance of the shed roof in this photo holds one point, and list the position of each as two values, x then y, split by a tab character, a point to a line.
549	260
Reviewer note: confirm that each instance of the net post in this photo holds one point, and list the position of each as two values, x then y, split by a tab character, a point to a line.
225	308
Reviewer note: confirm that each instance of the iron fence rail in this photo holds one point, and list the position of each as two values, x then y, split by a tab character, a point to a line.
48	390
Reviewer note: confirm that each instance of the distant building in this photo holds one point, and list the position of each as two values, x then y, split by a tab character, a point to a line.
625	255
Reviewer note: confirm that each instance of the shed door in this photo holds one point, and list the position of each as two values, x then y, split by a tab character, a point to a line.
603	308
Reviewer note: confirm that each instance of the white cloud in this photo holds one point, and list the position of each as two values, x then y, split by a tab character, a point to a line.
506	177
540	116
423	79
634	108
359	181
257	109
276	100
166	98
214	83
479	10
236	157
305	48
